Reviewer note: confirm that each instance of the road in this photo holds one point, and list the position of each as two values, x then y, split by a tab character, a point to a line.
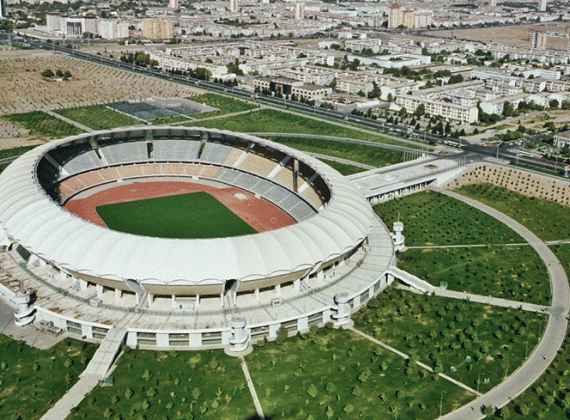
554	334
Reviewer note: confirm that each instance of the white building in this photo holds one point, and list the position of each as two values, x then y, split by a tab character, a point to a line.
451	112
542	5
173	4
234	6
113	29
299	11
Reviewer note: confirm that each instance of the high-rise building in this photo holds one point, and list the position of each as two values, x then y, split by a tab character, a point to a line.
299	11
538	39
542	5
157	29
173	4
234	6
408	18
395	17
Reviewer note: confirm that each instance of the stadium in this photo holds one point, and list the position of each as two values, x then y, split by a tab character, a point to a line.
198	226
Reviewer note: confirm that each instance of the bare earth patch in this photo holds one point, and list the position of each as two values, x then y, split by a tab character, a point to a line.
23	89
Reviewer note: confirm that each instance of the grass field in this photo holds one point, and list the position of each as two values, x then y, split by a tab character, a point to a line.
98	117
370	155
16	151
226	105
343	168
508	272
472	338
549	396
272	121
196	215
548	220
32	380
337	374
431	218
43	126
159	385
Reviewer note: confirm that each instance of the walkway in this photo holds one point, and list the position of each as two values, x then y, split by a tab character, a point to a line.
96	370
67	120
492	300
553	337
252	389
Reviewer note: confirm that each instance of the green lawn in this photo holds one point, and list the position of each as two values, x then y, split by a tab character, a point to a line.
16	151
341	375
3	166
548	220
431	218
32	380
508	272
171	385
444	332
98	117
375	156
43	125
343	168
272	121
549	397
226	105
195	215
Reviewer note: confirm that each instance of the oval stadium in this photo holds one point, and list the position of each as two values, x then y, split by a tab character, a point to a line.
211	238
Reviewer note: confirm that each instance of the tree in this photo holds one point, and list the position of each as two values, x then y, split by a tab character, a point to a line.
281	335
48	73
554	104
329	412
420	110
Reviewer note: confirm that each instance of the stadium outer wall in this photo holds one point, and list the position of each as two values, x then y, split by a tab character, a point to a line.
339	229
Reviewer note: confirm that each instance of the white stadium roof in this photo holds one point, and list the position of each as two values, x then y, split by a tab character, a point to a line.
31	218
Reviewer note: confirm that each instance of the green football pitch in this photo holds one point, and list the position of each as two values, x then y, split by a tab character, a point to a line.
184	216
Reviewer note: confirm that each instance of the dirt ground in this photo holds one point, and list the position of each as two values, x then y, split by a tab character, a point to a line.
516	36
23	89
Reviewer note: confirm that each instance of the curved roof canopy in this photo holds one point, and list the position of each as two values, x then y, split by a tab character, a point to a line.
34	220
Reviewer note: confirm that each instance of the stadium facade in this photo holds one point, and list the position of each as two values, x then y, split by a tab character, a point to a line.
311	262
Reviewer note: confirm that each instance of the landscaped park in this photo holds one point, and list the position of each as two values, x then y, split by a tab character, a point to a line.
435	343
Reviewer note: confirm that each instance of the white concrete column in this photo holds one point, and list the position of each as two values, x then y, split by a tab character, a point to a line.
82	284
118	294
222	299
162	340
62	275
239	336
342	315
87	330
195	340
197	301
297	284
256	294
99	289
173	297
278	290
131	339
150	299
303	324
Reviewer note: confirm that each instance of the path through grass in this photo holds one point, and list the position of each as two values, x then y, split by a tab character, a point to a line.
98	117
32	380
548	220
